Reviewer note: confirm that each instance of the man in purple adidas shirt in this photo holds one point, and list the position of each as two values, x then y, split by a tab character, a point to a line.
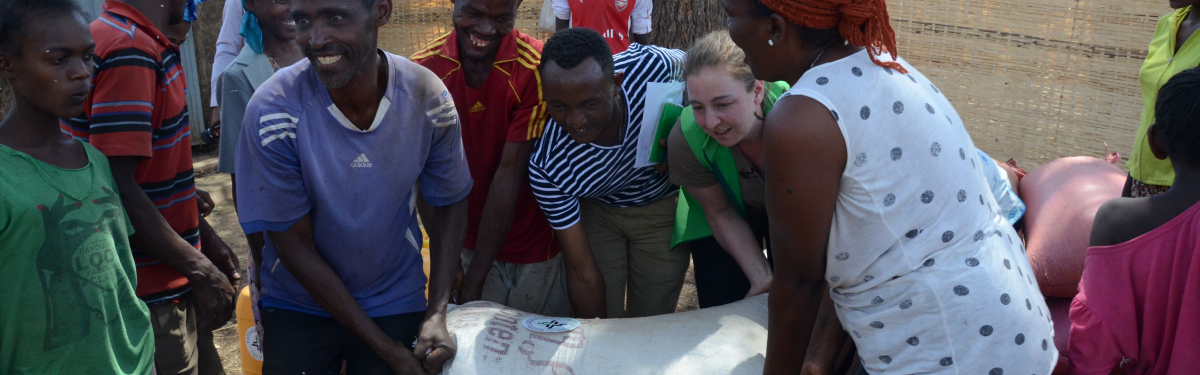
335	153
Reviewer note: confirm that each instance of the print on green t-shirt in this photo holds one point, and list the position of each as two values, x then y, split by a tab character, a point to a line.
76	254
68	306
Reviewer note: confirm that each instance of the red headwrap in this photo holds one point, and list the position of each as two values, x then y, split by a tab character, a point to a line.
862	22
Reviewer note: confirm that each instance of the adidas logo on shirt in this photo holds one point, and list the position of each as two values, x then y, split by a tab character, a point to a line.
361	162
478	107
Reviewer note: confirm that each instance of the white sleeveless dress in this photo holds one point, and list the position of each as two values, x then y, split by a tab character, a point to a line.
927	276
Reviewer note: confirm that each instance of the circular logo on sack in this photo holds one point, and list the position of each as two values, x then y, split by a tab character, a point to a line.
252	344
553	325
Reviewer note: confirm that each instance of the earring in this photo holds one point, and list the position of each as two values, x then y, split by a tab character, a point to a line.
770	42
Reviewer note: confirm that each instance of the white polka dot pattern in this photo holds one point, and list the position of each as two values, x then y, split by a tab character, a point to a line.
923	278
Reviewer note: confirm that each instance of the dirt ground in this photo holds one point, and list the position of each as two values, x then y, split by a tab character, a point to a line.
225	221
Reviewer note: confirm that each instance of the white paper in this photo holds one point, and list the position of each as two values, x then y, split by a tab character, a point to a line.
656	94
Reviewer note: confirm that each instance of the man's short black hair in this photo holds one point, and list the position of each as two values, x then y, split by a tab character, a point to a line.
15	16
1177	114
570	47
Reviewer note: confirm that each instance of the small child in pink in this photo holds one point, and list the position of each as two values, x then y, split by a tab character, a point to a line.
1138	308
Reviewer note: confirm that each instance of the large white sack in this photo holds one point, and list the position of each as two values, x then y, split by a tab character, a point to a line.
730	339
547	22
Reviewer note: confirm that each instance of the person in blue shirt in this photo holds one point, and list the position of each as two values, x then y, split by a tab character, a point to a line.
335	154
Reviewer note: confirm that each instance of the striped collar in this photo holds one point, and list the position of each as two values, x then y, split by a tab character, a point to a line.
384	103
128	14
507	51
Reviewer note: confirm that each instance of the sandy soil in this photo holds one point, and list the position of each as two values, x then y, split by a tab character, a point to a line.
224	220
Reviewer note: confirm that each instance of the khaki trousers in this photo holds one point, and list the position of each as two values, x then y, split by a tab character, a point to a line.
181	347
539	288
632	247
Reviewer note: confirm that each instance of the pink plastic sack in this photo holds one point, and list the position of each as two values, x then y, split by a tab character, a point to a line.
1061	198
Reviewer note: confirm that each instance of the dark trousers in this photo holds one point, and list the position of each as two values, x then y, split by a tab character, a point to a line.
308	344
719	279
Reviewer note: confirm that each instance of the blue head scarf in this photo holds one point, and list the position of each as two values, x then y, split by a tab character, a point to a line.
190	14
251	31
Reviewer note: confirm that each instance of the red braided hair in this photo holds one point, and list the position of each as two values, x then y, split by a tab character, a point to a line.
863	23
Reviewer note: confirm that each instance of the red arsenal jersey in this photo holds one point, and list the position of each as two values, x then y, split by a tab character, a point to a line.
610	18
507	108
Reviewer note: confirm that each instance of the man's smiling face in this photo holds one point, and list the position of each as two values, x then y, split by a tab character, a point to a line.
337	36
481	24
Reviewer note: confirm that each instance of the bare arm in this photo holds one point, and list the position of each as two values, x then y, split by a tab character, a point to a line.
254	240
643	39
1127	190
299	255
585	285
827	342
561	24
447	226
499	209
735	235
218	252
804	163
153	235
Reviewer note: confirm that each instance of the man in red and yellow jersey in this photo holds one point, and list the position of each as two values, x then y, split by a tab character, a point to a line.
510	254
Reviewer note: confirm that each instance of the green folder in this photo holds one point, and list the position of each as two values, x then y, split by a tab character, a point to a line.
666	121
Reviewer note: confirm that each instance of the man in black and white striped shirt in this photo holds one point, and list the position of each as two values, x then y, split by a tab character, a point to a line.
613	221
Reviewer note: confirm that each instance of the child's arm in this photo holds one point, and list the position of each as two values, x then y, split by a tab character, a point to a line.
1101	227
1112	222
1123	219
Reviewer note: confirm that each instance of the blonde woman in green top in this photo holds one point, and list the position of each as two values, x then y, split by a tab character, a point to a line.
716	157
1172	50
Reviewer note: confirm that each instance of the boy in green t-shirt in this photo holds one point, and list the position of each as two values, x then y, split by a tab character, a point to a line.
68	304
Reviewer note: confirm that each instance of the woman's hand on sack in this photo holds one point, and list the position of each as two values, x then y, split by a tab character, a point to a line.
759	287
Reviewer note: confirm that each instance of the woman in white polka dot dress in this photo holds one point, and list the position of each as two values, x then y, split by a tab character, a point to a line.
873	188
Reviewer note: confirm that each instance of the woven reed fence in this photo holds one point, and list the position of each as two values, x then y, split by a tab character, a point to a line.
1034	80
416	23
